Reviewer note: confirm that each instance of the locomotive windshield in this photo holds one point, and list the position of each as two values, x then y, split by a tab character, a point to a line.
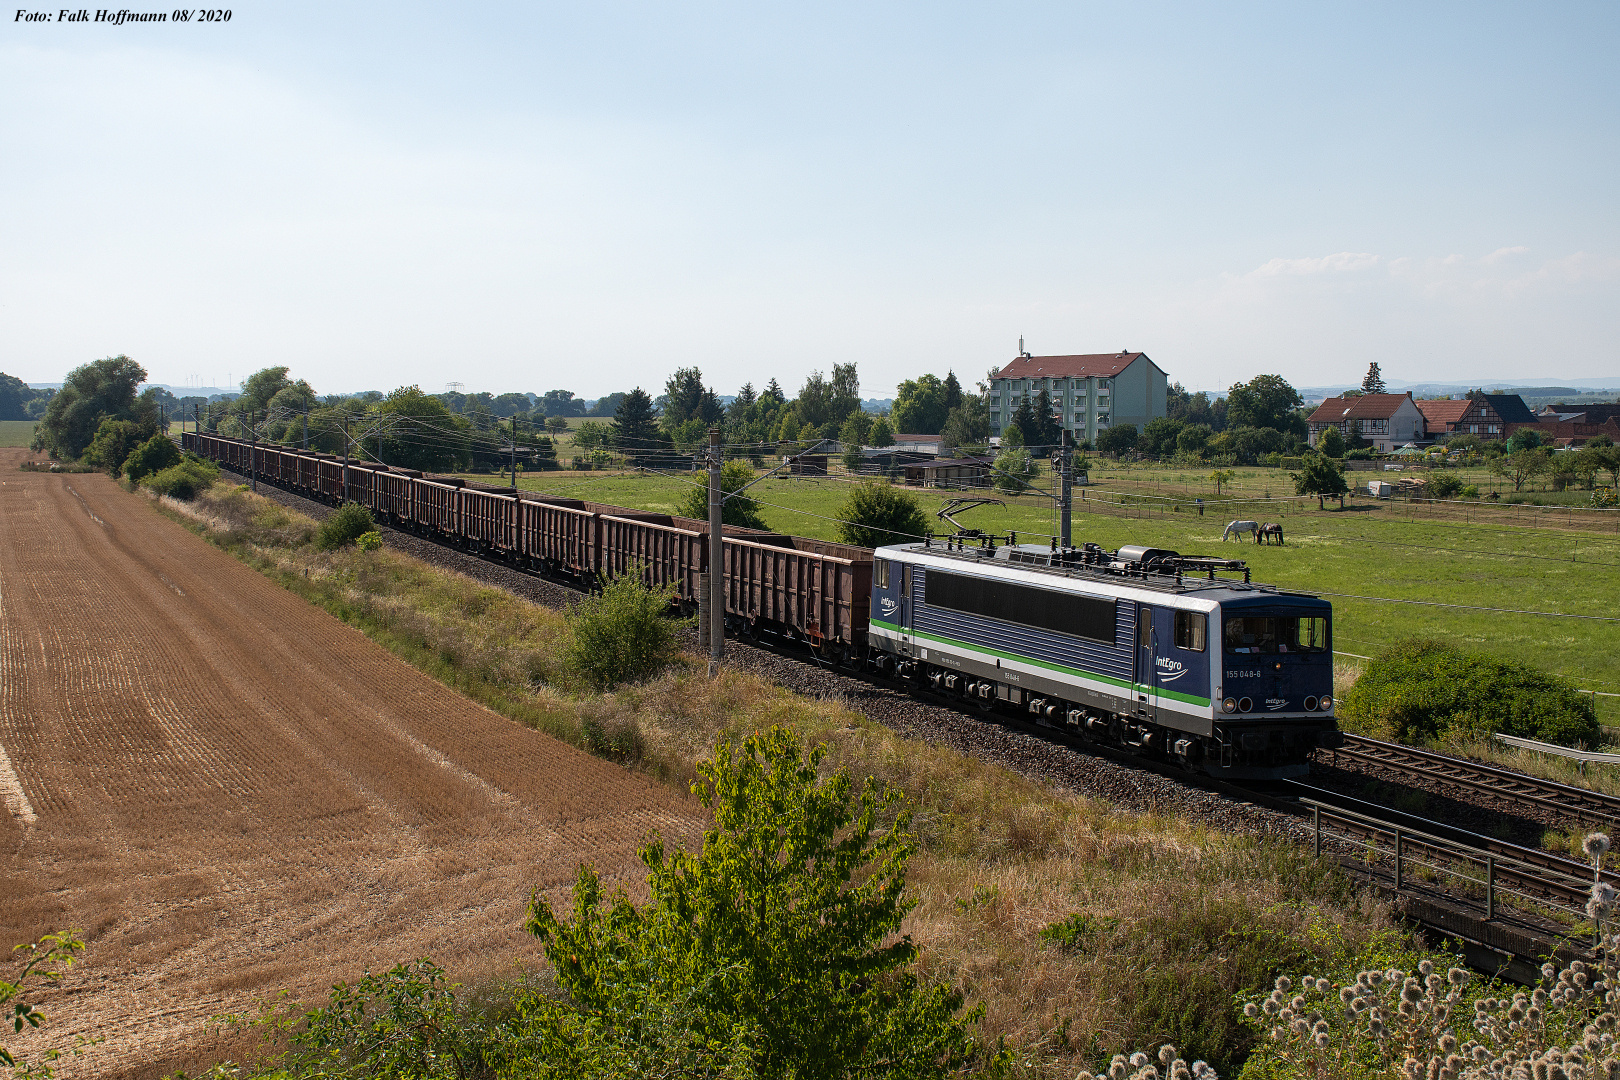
1277	634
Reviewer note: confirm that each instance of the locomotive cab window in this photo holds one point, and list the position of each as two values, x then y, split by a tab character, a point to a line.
1277	634
1191	628
880	573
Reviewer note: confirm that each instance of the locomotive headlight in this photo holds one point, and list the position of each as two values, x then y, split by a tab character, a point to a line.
1310	704
1229	705
1327	703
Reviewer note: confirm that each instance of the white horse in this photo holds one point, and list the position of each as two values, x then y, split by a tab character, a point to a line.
1250	527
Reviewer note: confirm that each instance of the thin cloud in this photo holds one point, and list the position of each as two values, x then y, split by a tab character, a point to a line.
1343	262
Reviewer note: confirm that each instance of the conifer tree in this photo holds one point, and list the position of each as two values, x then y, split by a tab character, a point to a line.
1374	382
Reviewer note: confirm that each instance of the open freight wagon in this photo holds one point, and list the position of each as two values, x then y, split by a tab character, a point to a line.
808	590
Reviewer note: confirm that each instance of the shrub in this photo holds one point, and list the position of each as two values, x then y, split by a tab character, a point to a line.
153	455
1445	485
1422	690
776	951
350	522
878	513
1471	491
185	479
114	441
1014	468
369	541
620	635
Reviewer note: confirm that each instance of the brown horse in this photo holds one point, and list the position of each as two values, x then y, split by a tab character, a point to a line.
1270	529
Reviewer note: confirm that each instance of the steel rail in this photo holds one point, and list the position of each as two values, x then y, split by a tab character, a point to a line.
1499	783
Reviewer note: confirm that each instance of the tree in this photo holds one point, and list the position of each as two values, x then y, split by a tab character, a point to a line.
778	945
1047	431
1193	439
114	441
1012	436
1331	442
1159	436
1188	408
14	398
968	425
100	390
1013	471
152	456
882	433
740	510
857	427
877	514
1526	438
619	635
953	391
1119	439
1522	464
686	399
1221	477
606	406
1265	401
635	428
1318	476
919	407
420	433
556	424
773	393
560	403
592	435
1373	382
44	960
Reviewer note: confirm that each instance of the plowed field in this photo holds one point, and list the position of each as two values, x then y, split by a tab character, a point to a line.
232	793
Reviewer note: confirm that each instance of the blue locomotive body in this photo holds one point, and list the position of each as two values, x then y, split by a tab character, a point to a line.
1139	648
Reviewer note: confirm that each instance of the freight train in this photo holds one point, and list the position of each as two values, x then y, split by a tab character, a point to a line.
1182	659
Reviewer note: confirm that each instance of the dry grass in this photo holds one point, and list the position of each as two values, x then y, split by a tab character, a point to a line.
1181	917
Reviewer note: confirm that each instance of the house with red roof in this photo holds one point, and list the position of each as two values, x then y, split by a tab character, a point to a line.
1090	392
1388	421
1484	415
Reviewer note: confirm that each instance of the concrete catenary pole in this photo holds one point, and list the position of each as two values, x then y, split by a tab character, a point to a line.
1066	538
253	453
717	573
344	495
514	450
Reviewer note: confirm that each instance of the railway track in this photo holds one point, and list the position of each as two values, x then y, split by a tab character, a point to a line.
1502	785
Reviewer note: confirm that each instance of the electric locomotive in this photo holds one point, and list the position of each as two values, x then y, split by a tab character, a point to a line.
1169	656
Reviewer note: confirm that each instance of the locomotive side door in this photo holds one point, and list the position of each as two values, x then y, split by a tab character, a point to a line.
907	642
1147	673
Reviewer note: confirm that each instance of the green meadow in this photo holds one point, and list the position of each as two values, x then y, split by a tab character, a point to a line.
16	432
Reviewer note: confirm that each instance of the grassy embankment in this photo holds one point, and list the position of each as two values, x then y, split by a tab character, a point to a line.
1176	917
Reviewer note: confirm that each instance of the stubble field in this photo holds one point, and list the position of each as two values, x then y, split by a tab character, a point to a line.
230	793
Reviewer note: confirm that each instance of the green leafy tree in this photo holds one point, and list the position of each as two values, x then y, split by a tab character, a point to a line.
877	513
420	433
14	398
1012	436
1444	484
560	403
967	426
919	406
824	401
635	426
1373	382
620	634
1520	465
882	433
1265	401
1047	431
686	399
153	455
779	944
1014	469
735	509
1331	442
556	424
953	391
1119	439
100	390
1526	438
591	435
1193	439
1159	436
1221	477
115	440
1319	476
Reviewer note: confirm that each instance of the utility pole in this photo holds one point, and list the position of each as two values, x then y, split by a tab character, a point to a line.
717	573
514	450
306	430
343	496
1067	470
253	453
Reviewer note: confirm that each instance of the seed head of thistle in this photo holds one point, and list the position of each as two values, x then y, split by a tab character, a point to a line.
1596	845
1604	893
1447	1042
1138	1060
1167	1054
1426	967
1284	983
1251	1010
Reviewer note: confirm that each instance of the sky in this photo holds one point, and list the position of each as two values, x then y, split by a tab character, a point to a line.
587	196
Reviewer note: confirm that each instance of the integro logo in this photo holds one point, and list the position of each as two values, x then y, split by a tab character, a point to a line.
889	605
1169	670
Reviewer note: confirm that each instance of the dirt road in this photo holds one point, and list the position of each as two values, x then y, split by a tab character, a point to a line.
232	793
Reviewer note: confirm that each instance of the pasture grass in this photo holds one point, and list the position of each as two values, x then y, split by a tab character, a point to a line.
1166	919
14	433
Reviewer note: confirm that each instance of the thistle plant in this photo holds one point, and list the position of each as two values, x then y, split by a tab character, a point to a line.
1418	1025
1139	1066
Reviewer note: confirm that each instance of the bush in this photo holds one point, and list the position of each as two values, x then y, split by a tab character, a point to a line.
369	541
878	513
348	524
1014	468
737	510
774	952
185	479
620	635
1445	485
115	440
153	455
1470	492
1423	690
